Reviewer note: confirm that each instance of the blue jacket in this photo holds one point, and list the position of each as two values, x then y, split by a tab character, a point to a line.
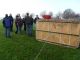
11	18
7	22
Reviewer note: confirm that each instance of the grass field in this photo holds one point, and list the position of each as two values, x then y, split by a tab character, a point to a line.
23	47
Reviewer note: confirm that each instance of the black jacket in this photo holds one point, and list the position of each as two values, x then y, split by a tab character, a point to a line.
28	20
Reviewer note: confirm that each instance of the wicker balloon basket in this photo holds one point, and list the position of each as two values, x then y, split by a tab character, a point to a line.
63	33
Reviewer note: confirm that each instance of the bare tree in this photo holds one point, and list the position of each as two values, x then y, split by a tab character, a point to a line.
68	13
59	15
77	16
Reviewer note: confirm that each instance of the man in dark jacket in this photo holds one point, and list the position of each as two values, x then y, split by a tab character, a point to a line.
29	24
7	25
25	21
11	18
36	18
24	24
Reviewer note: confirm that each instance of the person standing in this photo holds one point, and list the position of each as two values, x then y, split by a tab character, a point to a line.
30	26
29	22
18	23
7	25
24	24
36	18
26	21
11	18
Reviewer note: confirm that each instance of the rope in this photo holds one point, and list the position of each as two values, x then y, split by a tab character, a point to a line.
40	51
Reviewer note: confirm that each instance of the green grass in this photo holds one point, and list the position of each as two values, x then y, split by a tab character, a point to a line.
23	47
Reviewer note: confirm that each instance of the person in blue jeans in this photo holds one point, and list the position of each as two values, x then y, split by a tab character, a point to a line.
7	25
29	24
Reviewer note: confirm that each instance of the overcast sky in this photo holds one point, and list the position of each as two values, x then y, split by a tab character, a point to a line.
37	6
